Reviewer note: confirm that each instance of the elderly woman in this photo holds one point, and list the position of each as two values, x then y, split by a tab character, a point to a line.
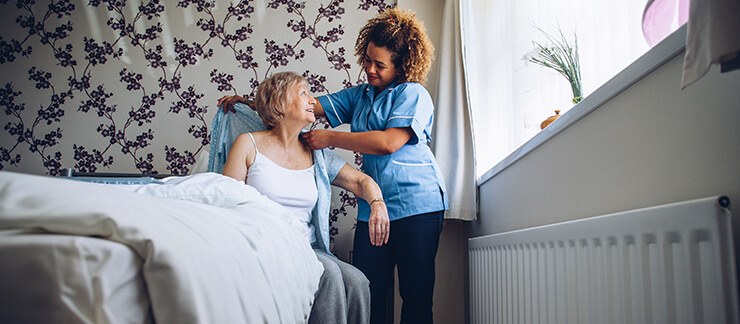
280	166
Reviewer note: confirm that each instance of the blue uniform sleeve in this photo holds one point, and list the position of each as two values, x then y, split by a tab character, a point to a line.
412	107
339	106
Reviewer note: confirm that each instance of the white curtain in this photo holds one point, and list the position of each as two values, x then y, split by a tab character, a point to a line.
713	37
452	141
510	98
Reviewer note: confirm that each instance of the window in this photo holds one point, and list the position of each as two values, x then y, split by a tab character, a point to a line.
509	97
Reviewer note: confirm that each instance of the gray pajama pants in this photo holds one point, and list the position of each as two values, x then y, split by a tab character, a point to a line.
343	295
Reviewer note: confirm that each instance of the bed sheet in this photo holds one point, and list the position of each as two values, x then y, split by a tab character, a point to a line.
239	262
48	278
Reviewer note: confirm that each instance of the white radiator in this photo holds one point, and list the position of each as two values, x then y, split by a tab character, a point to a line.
667	264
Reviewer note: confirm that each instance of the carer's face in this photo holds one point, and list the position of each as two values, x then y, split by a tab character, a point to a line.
302	105
380	70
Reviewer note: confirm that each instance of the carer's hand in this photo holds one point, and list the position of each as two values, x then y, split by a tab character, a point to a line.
379	224
317	139
227	103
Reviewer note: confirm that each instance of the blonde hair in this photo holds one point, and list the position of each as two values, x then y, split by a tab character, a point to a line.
274	96
399	31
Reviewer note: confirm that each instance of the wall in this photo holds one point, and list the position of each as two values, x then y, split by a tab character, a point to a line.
131	86
651	144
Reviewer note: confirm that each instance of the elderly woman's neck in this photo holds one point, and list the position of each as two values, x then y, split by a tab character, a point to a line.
286	134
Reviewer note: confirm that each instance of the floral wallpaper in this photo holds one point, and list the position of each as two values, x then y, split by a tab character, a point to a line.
131	86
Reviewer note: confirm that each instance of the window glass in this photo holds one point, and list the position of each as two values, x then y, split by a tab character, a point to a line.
510	96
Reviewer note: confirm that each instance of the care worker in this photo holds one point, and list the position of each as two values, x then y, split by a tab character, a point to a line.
391	122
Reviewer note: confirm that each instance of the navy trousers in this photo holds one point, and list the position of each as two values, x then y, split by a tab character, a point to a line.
412	246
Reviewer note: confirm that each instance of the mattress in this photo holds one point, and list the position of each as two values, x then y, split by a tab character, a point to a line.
49	278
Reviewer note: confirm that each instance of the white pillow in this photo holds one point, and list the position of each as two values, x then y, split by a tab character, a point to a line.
201	163
207	188
214	189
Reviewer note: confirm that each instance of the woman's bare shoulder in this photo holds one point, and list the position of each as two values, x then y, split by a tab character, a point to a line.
244	143
245	137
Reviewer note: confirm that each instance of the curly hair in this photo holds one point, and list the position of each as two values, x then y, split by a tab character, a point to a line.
399	31
274	96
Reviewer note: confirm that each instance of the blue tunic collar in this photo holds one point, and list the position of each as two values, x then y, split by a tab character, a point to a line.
370	90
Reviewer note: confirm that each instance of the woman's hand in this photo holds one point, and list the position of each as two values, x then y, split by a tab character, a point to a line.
227	103
379	224
317	139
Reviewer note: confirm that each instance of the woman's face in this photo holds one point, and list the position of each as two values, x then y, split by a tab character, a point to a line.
302	105
380	70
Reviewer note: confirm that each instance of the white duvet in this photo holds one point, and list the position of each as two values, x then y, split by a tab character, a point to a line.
213	249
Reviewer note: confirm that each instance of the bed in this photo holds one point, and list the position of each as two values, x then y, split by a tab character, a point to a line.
190	249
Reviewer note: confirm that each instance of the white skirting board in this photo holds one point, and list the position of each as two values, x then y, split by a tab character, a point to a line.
673	263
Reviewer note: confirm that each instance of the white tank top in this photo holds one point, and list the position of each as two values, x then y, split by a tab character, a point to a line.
294	189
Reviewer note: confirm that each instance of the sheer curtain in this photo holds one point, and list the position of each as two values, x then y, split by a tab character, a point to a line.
509	98
452	141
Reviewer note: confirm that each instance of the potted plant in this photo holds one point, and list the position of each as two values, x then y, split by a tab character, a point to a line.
560	56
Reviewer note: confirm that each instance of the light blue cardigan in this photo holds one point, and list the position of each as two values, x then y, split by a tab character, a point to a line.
224	130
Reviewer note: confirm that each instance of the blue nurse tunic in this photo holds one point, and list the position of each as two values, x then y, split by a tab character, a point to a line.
409	178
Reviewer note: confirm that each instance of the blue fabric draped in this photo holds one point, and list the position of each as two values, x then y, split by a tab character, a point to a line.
224	130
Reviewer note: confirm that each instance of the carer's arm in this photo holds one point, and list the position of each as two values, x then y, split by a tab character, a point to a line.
371	142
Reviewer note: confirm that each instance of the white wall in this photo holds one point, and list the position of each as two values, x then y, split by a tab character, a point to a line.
652	144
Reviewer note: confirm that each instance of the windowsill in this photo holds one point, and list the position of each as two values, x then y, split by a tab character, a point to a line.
671	46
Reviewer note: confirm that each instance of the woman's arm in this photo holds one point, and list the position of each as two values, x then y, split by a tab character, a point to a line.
365	188
371	142
318	109
236	163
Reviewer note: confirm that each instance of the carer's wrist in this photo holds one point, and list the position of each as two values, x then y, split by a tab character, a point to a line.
377	200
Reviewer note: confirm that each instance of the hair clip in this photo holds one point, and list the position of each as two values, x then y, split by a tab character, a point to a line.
393	21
